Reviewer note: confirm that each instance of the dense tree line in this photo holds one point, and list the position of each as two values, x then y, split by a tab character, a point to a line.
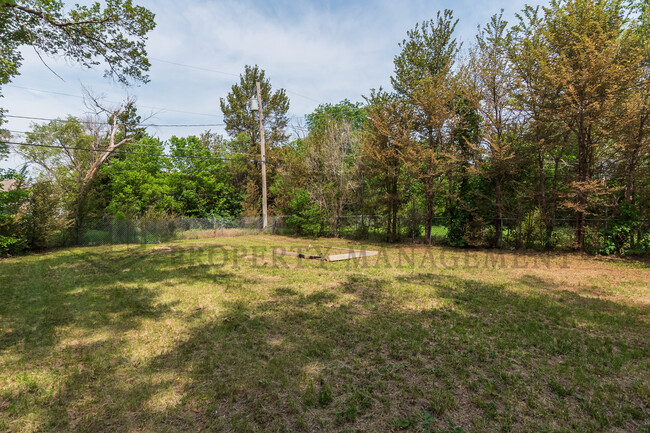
543	120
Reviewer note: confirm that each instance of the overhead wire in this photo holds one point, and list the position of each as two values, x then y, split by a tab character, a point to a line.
157	125
126	152
194	67
153	107
115	102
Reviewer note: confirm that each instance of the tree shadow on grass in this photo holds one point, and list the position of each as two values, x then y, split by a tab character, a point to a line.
344	358
352	358
93	299
113	289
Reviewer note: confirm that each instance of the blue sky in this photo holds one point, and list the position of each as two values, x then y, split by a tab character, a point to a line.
319	51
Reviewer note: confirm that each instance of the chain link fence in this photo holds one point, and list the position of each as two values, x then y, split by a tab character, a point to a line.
148	231
517	233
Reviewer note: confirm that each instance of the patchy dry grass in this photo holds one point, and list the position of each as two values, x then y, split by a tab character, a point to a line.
219	335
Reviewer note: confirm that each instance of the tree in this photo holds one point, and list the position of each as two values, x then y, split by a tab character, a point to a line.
240	118
331	159
319	175
115	34
533	98
13	195
137	183
242	124
200	182
89	35
593	60
387	132
66	158
633	129
423	78
345	111
429	50
291	181
71	153
463	227
492	85
42	221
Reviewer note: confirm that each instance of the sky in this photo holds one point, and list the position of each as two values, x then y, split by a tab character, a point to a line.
318	51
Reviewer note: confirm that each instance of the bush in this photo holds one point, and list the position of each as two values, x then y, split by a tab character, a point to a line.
10	245
45	225
306	217
615	236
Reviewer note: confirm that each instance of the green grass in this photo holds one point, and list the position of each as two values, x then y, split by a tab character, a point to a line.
139	338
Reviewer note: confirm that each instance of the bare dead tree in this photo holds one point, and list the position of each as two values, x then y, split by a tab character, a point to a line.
71	151
102	148
332	161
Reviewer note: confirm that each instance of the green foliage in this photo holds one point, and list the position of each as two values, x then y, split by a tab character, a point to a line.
114	33
44	224
10	245
95	237
466	224
546	123
12	200
616	235
65	167
324	114
461	200
429	50
242	124
194	182
200	183
239	117
305	216
138	184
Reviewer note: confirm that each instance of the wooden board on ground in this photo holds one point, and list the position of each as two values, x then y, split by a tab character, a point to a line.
351	254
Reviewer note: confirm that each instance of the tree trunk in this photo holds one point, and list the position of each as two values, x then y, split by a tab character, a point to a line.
429	205
429	190
499	212
92	171
581	195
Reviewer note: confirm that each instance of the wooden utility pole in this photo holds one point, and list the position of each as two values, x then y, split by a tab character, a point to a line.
262	152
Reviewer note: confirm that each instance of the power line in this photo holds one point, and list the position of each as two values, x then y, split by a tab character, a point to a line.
44	91
115	102
135	144
121	124
194	67
126	152
303	96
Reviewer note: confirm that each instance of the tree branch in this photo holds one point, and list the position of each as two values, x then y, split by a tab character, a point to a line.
51	21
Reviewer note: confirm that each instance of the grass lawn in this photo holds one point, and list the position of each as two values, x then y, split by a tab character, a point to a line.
217	335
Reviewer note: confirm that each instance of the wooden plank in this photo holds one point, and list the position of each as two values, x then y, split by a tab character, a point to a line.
352	254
